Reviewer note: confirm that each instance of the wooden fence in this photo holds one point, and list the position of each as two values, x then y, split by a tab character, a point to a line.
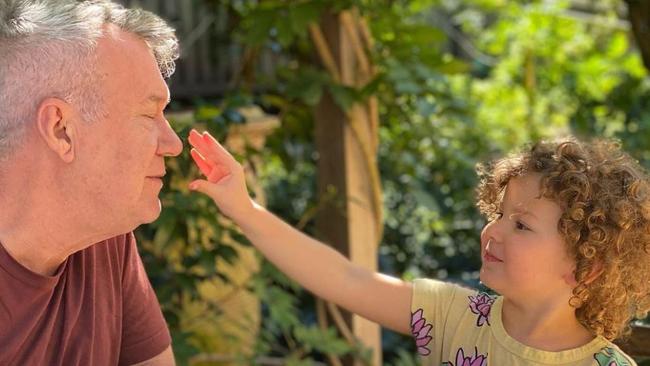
209	59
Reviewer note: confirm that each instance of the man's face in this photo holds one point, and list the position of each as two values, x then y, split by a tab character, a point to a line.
121	155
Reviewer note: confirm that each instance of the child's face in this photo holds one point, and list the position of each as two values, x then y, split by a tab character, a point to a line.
523	254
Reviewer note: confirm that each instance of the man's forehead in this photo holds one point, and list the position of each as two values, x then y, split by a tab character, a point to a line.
124	53
132	67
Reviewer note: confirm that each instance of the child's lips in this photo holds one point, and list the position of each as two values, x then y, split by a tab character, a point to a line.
490	258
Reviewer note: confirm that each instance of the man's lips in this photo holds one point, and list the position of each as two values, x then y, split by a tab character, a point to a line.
490	258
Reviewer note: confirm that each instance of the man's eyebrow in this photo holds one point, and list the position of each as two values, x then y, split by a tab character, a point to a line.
154	98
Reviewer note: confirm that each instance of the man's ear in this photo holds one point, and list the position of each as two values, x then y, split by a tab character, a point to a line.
56	127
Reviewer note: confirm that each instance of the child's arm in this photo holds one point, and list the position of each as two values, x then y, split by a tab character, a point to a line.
317	267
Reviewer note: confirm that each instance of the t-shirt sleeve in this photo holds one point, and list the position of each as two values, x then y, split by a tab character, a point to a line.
430	307
144	330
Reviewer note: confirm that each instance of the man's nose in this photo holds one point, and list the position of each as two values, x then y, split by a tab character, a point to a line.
169	144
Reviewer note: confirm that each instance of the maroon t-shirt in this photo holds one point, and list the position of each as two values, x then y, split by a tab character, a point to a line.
97	309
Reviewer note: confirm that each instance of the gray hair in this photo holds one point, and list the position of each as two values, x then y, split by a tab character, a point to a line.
46	50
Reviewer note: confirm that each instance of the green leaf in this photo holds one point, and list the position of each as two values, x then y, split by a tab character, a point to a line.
343	96
227	252
285	34
324	341
301	14
207	113
282	308
307	85
258	26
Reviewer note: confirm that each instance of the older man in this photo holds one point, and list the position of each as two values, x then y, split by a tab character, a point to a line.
82	145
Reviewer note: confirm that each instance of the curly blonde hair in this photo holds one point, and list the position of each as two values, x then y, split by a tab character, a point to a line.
605	199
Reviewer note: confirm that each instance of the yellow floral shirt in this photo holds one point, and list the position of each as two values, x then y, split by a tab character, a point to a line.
456	326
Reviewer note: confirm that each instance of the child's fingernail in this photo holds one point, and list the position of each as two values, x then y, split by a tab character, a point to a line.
193	186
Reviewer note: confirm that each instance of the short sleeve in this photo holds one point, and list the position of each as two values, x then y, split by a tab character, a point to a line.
144	330
430	306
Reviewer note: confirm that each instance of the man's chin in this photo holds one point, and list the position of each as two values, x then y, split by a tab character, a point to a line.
152	213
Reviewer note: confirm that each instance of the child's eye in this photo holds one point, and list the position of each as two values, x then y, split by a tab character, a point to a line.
521	226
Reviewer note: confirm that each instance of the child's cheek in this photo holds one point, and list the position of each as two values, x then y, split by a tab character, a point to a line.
484	234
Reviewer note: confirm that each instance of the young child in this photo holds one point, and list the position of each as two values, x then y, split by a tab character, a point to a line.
567	247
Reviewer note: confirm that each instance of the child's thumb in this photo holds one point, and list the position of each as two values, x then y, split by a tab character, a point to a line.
203	186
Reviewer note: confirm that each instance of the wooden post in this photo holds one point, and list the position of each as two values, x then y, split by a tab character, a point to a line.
346	144
639	16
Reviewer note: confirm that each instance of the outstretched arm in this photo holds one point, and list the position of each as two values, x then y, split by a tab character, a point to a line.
317	267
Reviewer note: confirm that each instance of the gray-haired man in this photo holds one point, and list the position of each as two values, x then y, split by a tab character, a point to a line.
82	146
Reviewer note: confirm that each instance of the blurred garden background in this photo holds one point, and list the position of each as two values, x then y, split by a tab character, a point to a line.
442	85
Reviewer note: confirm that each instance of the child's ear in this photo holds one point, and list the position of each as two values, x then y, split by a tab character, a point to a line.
570	279
595	272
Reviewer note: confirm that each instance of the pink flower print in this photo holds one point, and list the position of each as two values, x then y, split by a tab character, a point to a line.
481	305
420	330
476	360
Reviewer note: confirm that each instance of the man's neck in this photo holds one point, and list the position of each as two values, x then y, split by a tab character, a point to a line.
39	232
30	256
38	240
42	221
550	327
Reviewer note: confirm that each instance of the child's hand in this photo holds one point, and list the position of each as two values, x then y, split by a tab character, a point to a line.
225	182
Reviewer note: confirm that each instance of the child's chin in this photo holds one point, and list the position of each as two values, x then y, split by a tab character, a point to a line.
487	280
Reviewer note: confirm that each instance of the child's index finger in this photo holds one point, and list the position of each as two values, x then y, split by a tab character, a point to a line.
196	139
197	142
216	148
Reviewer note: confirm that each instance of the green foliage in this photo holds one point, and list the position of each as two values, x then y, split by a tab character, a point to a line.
534	71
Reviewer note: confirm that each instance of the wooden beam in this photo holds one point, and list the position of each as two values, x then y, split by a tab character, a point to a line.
349	221
639	15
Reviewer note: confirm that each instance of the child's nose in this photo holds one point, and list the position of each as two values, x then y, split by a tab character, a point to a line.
492	232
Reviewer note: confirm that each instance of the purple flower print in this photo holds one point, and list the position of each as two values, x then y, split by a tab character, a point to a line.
420	330
461	360
481	304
